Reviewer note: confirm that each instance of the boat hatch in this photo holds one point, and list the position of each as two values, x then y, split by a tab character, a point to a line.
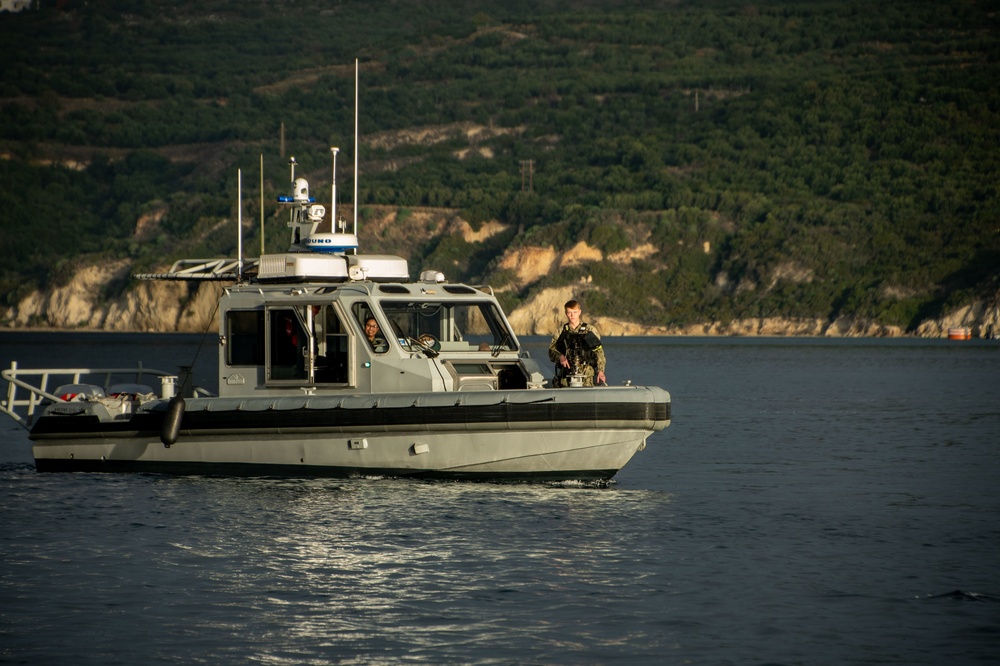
486	376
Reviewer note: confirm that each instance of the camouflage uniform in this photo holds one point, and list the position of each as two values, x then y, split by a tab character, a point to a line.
583	341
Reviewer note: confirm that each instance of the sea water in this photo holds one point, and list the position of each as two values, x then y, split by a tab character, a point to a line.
813	502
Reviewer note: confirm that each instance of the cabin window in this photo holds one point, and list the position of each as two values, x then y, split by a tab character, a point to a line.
245	337
465	326
370	325
332	346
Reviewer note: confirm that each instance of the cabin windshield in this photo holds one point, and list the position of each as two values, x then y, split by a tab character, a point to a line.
463	326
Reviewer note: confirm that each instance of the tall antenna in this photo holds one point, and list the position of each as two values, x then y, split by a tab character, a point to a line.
333	192
355	147
239	225
262	204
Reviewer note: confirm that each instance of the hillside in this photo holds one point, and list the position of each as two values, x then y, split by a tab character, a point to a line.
683	167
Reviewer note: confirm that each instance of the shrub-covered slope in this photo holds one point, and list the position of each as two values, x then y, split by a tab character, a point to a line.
786	158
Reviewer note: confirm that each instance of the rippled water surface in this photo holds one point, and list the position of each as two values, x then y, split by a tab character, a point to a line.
813	502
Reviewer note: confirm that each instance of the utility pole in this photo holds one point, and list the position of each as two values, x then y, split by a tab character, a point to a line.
527	174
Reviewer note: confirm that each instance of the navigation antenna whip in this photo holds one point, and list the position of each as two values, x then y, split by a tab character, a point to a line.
333	192
355	150
262	204
239	226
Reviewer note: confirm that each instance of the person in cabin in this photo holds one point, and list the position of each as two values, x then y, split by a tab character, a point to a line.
576	350
373	333
287	350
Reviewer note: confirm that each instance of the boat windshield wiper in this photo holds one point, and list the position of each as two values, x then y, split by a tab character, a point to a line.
504	340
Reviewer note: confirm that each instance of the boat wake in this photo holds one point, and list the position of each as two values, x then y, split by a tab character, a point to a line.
962	595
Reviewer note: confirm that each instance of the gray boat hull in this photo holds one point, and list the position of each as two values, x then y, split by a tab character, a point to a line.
585	434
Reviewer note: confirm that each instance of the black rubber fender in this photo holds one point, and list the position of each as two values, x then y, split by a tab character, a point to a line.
172	421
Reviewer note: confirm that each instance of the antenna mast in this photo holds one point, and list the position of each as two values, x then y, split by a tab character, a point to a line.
355	146
333	192
262	204
239	225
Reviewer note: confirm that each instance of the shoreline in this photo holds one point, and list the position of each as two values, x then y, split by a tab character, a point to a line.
608	335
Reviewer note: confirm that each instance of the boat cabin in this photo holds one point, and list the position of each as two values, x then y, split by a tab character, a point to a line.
295	322
314	337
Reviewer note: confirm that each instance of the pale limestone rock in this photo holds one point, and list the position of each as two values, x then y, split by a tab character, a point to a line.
148	224
433	134
166	306
627	256
149	306
74	305
611	327
979	316
29	307
487	230
581	253
543	314
201	311
839	327
789	271
852	327
529	263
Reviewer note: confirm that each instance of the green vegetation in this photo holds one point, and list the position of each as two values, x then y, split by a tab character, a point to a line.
784	157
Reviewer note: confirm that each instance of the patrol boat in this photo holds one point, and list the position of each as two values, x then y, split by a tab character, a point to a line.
445	391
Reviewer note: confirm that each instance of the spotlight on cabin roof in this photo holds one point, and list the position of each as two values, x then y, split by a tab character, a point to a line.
432	276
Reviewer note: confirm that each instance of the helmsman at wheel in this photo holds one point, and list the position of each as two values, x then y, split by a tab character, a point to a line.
577	351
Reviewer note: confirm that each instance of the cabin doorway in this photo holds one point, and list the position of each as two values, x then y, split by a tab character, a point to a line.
307	344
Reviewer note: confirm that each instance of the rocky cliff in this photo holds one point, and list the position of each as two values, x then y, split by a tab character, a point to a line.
543	314
105	298
144	306
191	307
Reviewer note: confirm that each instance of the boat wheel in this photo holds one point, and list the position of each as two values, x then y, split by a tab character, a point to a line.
428	341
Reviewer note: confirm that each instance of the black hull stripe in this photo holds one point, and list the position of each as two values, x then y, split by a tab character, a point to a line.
308	471
504	416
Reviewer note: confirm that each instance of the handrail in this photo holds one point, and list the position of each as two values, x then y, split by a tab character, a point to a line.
201	269
38	392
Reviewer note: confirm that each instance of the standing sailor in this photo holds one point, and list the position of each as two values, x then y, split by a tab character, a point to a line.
577	352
